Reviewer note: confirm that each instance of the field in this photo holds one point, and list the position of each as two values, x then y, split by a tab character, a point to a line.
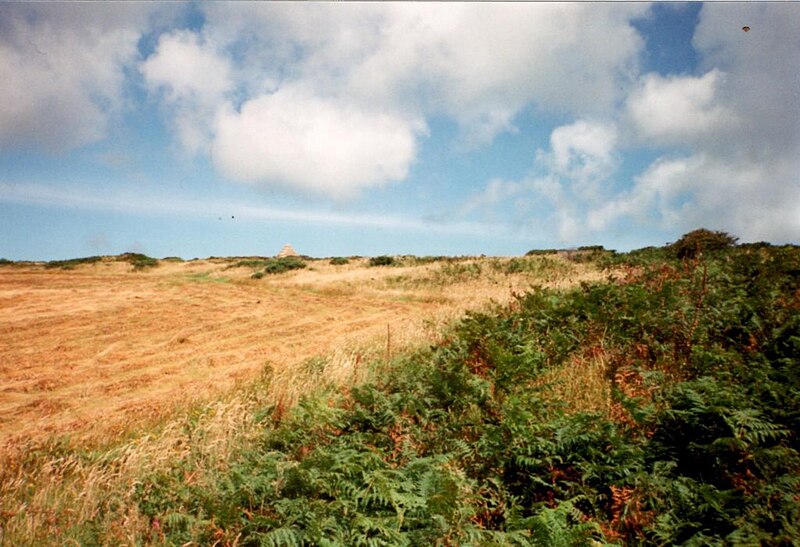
647	398
96	349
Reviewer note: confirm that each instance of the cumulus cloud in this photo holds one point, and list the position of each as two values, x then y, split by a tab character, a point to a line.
567	179
194	79
740	122
297	138
680	194
679	110
395	66
584	154
62	71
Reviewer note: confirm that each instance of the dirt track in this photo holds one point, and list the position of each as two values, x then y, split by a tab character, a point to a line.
96	349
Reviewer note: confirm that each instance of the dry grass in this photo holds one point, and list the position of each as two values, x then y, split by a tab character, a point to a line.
581	384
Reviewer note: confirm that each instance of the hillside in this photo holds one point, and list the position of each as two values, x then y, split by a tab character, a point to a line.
657	404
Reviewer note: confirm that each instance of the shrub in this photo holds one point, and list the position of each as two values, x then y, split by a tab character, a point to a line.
700	241
538	252
4	261
139	261
382	260
340	261
285	264
257	275
71	263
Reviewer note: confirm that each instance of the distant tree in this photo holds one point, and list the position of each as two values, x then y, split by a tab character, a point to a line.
699	241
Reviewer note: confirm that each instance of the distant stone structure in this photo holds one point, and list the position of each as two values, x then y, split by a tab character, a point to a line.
287	250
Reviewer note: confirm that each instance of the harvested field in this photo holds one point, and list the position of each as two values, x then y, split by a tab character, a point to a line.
101	349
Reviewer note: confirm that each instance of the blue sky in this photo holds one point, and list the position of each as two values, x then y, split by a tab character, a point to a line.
215	129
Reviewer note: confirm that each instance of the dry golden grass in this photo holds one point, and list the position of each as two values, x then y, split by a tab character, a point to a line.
581	384
98	350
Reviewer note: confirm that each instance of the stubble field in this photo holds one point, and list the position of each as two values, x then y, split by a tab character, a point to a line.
97	351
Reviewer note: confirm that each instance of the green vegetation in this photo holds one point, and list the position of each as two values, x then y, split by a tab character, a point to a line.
139	261
691	440
339	261
4	261
540	252
382	260
71	263
701	241
206	277
281	265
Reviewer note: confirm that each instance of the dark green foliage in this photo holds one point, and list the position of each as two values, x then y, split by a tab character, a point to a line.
4	261
340	261
382	260
539	252
257	275
139	261
591	248
71	263
285	264
701	241
464	444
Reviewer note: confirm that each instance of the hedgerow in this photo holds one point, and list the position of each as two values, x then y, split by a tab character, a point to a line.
466	444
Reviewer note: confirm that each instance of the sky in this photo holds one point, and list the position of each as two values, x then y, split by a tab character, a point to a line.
230	129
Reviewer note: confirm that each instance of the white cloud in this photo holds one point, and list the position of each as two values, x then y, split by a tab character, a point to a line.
742	171
681	194
739	125
194	78
478	64
679	110
583	154
654	198
566	180
61	71
296	138
187	68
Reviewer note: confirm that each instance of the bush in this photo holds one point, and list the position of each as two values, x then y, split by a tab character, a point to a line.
139	261
4	261
257	275
539	252
71	263
700	241
382	260
340	261
285	264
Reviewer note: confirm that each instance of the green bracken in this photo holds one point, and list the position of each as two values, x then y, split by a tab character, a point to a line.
464	443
